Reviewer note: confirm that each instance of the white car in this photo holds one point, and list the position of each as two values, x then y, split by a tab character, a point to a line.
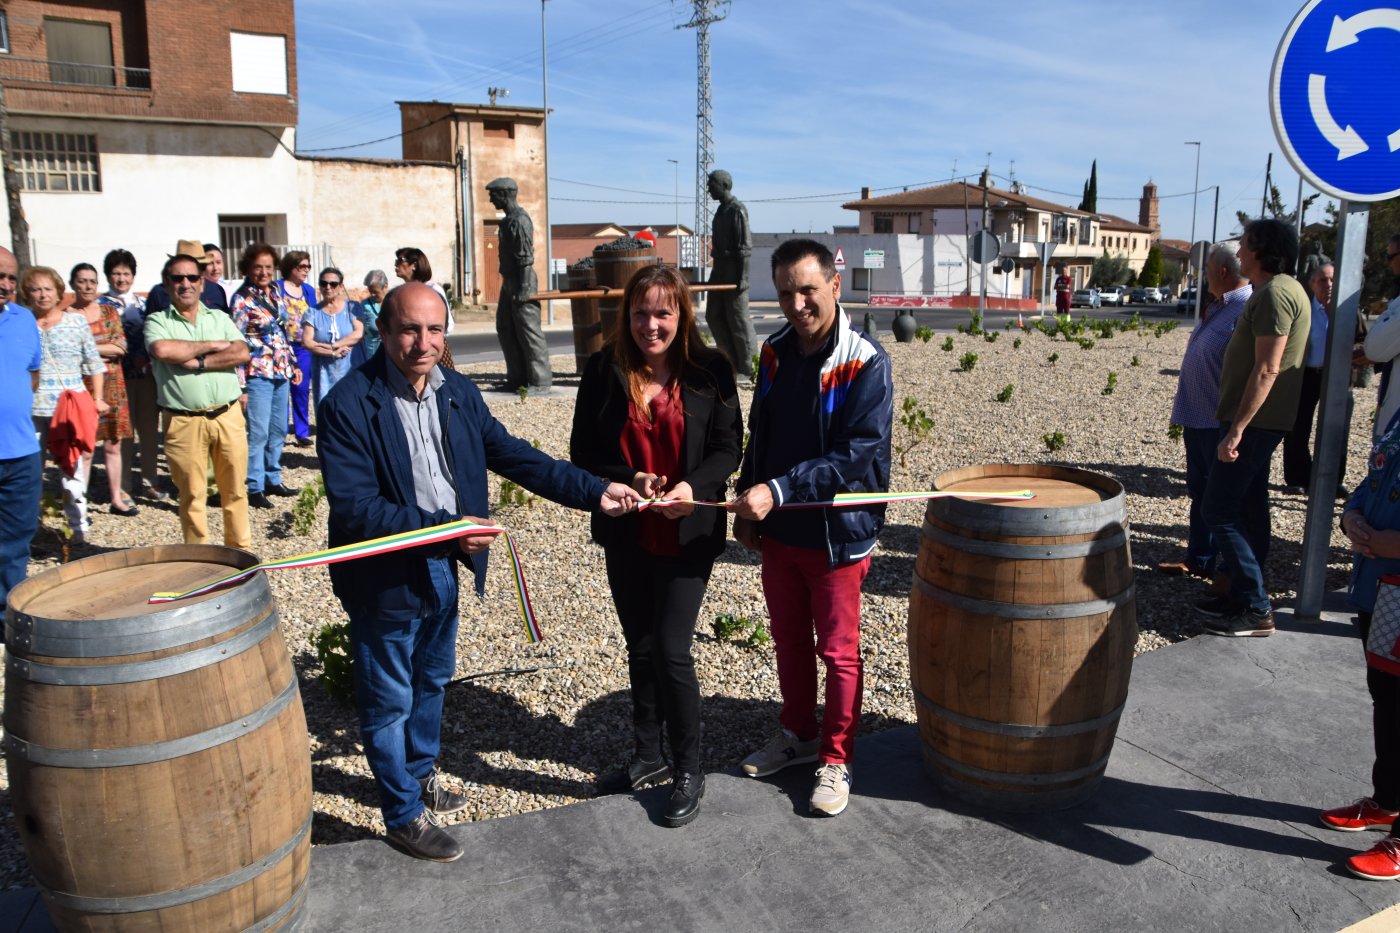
1113	295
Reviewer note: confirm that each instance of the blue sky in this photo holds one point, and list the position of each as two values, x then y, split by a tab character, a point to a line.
815	99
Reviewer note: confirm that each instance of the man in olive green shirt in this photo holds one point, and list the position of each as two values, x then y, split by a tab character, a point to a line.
195	354
1260	383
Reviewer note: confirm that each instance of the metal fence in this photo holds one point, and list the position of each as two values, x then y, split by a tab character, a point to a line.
47	71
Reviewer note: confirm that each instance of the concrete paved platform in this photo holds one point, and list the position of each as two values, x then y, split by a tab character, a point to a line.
1207	820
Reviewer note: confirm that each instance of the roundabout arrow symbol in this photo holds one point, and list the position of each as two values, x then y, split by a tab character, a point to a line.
1346	31
1347	141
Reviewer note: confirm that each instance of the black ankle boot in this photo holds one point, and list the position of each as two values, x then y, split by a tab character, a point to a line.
636	774
684	806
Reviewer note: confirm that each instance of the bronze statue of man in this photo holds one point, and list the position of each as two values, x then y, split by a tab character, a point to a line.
517	311
728	312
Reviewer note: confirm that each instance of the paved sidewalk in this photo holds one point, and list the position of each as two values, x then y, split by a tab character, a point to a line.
1207	821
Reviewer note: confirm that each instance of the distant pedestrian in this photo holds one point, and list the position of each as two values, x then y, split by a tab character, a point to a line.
114	425
298	297
377	284
119	267
1297	456
1382	344
1064	287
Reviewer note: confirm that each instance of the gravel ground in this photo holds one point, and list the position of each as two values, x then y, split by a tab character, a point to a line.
527	727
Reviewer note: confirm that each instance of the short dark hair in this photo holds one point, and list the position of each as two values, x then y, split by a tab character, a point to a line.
118	257
81	267
413	256
251	252
292	260
213	248
790	252
1274	245
169	263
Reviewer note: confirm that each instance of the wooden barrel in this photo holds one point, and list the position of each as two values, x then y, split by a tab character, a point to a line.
159	765
614	268
1022	625
588	332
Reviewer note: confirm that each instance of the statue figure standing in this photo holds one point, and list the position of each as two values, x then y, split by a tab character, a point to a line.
728	312
517	311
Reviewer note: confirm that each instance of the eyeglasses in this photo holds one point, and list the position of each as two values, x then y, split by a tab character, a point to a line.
303	265
327	283
185	278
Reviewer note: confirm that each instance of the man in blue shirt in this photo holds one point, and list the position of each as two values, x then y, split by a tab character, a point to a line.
21	464
1297	459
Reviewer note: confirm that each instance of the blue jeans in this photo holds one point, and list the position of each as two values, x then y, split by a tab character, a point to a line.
1200	455
267	406
19	518
401	669
1236	507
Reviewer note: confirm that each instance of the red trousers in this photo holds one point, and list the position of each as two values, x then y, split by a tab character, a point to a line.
814	613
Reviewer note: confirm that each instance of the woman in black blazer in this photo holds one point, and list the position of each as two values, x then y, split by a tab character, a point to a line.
659	410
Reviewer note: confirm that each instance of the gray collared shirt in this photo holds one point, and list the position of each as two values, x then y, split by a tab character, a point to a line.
432	479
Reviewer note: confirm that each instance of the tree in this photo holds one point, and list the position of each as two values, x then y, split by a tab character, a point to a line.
1111	270
1091	190
1171	272
1276	209
1151	274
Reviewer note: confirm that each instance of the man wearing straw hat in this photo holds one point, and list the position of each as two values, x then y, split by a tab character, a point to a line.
405	445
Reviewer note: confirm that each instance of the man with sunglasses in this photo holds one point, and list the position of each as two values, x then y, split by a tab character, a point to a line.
211	294
195	352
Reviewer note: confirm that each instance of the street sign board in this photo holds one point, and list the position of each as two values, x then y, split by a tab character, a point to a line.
874	259
1199	251
1332	97
1047	249
840	259
983	247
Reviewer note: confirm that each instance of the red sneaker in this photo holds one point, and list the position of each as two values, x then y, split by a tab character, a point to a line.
1380	863
1354	817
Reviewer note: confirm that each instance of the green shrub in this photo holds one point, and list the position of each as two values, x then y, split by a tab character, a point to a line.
333	651
1005	394
1053	442
967	362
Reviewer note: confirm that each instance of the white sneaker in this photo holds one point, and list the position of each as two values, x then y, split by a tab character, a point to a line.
832	791
782	750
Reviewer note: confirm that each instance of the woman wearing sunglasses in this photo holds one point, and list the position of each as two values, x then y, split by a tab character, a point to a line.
329	331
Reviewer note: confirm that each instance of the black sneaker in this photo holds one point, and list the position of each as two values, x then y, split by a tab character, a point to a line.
259	500
1243	624
438	798
684	806
1217	607
422	838
638	773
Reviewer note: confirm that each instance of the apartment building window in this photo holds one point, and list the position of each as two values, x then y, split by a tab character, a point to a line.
884	223
4	31
79	53
497	129
259	63
56	161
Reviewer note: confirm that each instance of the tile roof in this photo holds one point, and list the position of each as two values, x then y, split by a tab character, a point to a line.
952	195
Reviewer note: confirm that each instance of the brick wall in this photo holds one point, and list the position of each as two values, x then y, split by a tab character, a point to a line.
186	49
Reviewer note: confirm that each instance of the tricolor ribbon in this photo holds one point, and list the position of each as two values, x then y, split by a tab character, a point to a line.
852	499
407	539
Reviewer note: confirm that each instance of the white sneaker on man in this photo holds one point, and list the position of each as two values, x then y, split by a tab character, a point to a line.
832	790
782	750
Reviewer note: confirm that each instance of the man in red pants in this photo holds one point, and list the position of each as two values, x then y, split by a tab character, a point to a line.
820	425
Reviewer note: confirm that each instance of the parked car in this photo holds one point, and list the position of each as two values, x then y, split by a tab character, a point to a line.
1114	296
1142	296
1085	298
1186	303
1164	294
1154	294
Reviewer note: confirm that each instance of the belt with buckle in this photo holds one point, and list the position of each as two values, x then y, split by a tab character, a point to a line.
205	413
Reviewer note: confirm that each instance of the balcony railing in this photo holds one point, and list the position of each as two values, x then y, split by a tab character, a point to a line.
72	74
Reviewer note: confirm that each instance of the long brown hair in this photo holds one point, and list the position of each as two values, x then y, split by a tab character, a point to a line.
687	350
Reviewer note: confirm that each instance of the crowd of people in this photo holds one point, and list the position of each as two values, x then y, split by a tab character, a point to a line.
405	443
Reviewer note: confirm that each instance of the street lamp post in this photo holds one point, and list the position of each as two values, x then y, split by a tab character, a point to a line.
548	234
676	231
1195	190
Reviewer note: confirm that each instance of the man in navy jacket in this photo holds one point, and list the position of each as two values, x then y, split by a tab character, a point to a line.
820	425
405	445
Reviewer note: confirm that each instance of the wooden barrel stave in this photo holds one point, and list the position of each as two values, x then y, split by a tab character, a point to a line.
179	800
614	268
583	312
1020	642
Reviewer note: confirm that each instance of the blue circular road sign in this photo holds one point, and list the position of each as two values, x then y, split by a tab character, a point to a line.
1334	96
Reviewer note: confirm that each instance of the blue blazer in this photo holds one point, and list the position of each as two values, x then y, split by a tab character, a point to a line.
369	484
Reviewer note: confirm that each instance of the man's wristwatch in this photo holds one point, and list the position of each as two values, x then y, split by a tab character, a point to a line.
201	361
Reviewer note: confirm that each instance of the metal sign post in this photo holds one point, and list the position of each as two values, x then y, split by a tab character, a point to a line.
1330	97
